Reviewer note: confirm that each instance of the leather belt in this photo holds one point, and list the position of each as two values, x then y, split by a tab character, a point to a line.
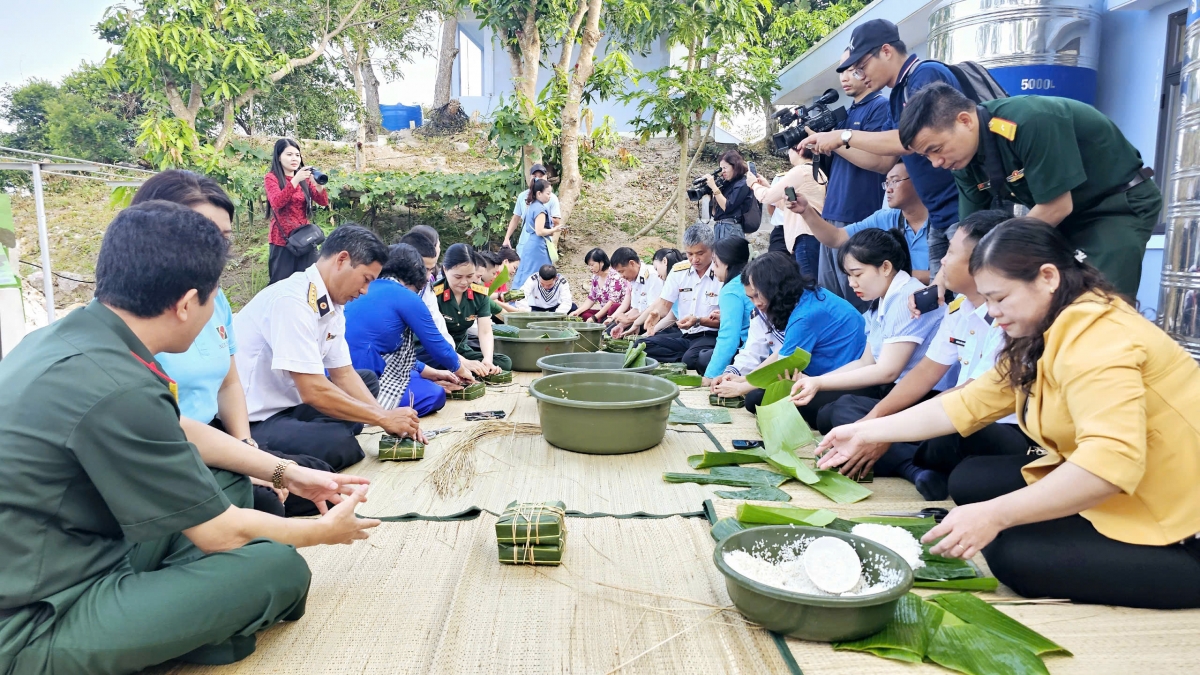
1144	174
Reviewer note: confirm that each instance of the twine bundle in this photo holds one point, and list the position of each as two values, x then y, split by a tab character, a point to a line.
456	470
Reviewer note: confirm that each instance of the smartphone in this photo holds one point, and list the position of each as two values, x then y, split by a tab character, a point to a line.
746	445
926	299
481	415
790	192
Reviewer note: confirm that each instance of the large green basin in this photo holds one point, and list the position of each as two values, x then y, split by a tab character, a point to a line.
604	412
591	335
523	319
570	363
812	617
526	349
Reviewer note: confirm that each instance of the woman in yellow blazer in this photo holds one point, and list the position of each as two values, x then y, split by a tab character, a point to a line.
1107	509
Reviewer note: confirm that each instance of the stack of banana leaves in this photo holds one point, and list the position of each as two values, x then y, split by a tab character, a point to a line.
635	356
513	296
615	345
505	330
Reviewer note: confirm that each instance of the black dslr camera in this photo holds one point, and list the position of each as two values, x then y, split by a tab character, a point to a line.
817	117
699	187
318	177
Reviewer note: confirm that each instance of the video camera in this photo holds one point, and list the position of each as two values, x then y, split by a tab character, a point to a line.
699	187
817	117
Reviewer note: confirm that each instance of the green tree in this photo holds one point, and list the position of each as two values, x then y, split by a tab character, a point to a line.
24	107
197	58
76	128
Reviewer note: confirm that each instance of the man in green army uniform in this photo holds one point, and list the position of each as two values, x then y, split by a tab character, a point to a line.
1064	159
462	302
119	549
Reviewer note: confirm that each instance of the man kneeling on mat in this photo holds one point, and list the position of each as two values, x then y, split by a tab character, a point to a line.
120	548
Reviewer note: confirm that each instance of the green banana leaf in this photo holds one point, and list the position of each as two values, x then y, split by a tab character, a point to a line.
725	527
713	458
939	571
986	584
733	476
980	614
615	345
841	525
761	494
776	391
500	280
906	637
766	477
684	380
632	353
763	377
782	427
681	415
970	649
839	488
759	514
789	464
917	527
506	330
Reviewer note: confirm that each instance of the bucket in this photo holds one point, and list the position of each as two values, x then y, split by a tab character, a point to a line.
570	363
603	412
529	346
590	334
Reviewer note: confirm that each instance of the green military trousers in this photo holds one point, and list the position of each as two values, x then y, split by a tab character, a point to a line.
165	601
1114	234
465	350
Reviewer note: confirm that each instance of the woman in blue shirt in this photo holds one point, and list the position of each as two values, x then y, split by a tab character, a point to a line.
729	257
380	327
878	268
811	318
533	246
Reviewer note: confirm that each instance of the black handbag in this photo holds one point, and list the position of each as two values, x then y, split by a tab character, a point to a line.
304	240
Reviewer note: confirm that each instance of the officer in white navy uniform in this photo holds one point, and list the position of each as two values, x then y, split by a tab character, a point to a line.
294	332
695	287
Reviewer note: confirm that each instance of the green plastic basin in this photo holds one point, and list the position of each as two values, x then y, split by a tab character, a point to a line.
523	319
591	335
526	349
603	412
570	363
812	617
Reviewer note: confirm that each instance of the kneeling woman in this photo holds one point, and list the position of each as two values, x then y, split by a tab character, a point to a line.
1109	514
878	267
810	318
381	326
465	303
729	259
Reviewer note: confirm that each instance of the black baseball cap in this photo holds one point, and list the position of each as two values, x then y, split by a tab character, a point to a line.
536	168
868	37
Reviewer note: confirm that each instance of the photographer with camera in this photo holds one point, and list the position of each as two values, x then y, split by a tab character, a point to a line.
292	188
731	196
878	58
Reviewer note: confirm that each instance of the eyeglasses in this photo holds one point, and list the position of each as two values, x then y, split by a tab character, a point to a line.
857	72
893	182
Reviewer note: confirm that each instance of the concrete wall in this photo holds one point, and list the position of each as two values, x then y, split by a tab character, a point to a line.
1132	48
497	75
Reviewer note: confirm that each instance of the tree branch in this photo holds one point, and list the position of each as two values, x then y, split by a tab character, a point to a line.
568	43
671	202
319	50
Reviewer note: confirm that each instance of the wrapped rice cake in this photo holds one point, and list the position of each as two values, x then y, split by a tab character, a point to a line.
392	449
731	402
532	523
502	377
521	554
513	295
468	393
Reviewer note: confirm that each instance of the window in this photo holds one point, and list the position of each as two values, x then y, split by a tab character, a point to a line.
470	66
1169	103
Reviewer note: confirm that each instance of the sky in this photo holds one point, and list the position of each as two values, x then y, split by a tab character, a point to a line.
49	38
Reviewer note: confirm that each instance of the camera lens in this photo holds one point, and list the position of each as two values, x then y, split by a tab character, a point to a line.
318	177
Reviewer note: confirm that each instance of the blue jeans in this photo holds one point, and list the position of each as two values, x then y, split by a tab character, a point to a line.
724	229
808	254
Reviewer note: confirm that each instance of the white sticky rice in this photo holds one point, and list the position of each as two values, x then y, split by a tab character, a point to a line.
785	570
900	540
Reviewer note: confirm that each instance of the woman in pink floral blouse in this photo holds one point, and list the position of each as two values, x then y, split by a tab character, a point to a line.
608	288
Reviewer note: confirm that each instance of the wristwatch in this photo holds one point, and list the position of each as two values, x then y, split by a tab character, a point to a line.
846	138
277	476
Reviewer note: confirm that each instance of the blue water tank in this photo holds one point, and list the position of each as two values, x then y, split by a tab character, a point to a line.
397	117
1044	47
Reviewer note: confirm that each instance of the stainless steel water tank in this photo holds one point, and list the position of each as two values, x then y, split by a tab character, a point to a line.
1045	47
1179	296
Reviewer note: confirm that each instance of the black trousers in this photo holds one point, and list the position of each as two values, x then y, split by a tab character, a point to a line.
944	453
281	264
673	346
265	499
1068	558
312	439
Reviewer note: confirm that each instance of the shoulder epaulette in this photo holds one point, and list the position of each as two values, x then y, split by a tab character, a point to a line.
955	304
439	287
682	265
1003	127
312	296
479	289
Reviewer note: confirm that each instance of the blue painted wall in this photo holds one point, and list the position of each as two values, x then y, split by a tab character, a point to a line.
497	76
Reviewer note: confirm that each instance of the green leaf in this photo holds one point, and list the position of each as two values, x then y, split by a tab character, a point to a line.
732	480
986	584
764	476
970	649
763	377
762	494
839	488
776	391
725	527
788	464
712	458
906	637
979	613
684	380
500	280
917	527
784	515
782	428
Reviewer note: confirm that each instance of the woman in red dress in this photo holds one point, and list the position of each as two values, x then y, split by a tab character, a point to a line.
291	193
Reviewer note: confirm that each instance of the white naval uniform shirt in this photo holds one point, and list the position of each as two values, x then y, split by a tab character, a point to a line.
696	295
430	299
558	298
762	340
291	326
645	288
969	340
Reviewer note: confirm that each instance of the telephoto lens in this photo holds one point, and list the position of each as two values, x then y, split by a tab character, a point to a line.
318	177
